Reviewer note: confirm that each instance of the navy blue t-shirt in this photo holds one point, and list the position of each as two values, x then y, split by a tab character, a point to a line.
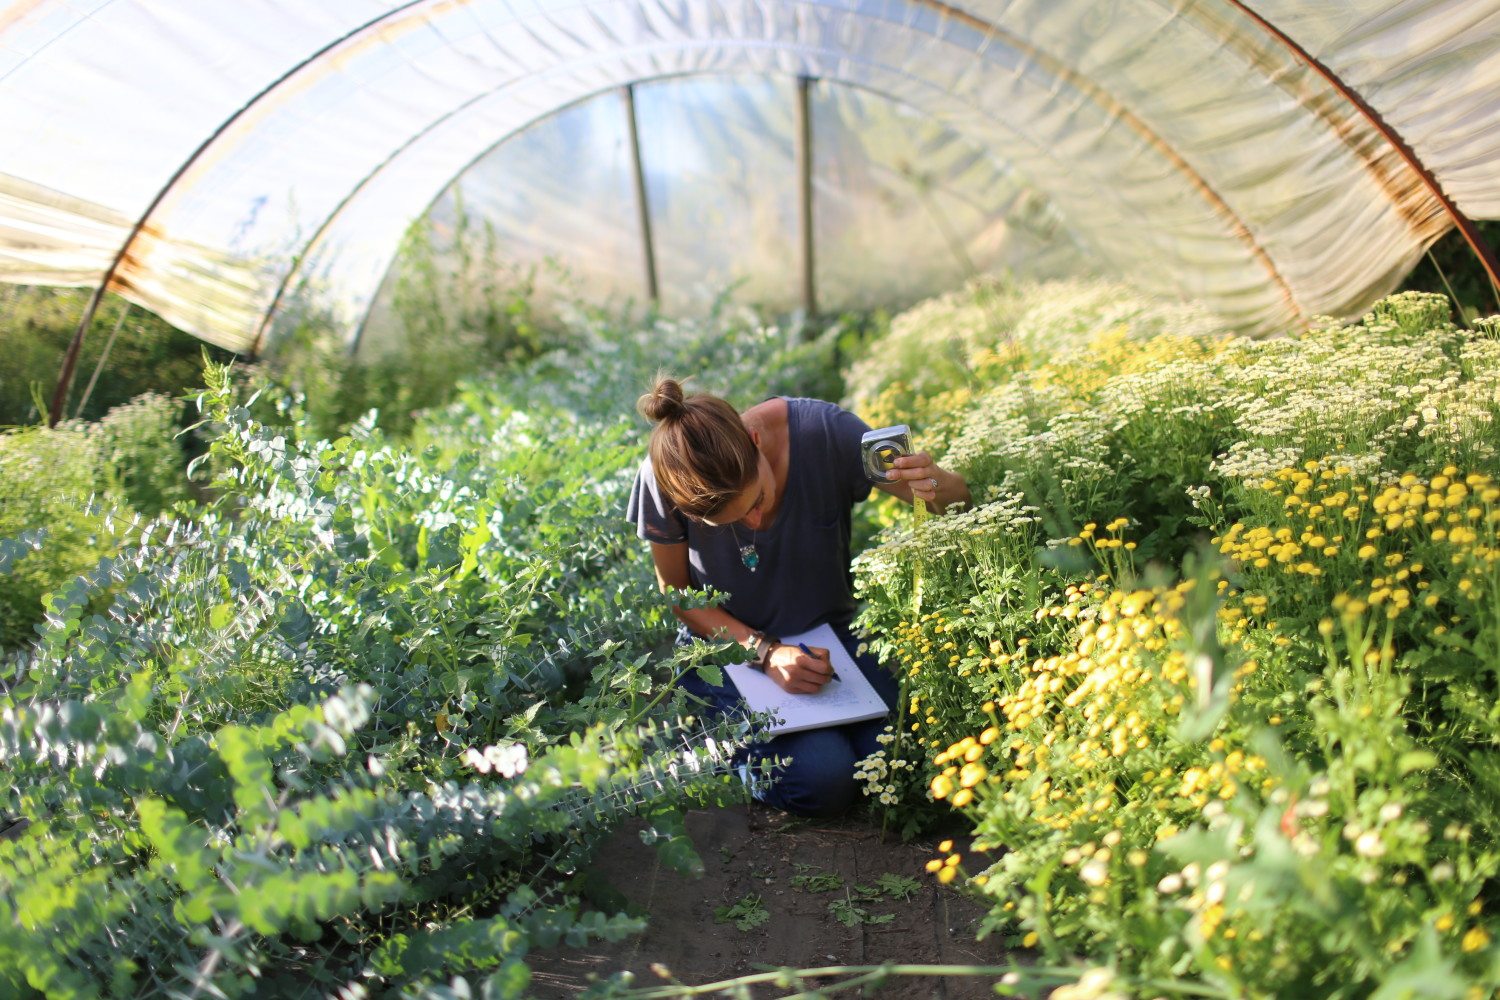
803	576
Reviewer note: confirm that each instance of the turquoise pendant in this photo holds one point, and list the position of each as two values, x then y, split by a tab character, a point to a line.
749	557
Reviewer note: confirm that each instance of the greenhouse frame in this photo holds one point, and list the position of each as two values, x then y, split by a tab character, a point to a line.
1278	162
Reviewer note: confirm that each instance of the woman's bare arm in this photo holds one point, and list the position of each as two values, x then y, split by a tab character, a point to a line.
789	667
918	476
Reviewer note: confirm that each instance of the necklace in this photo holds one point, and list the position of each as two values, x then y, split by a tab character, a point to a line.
748	555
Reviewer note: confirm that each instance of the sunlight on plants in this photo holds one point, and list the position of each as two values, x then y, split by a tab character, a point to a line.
1206	674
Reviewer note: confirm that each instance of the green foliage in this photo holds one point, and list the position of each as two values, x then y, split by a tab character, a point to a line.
746	913
456	309
149	355
69	486
435	350
610	362
450	309
820	882
47	479
358	724
850	913
1452	269
900	887
138	444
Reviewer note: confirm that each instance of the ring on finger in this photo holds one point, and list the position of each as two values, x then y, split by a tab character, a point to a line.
933	481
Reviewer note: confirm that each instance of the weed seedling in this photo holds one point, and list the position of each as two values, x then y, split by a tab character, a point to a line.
850	914
746	914
824	882
897	886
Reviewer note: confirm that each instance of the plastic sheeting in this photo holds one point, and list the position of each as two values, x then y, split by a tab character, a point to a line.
902	206
277	151
552	209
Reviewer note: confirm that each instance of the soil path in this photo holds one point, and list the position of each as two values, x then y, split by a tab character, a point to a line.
751	850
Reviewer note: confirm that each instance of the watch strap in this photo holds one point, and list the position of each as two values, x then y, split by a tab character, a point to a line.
764	645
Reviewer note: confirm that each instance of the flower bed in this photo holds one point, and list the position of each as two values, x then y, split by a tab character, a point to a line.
1213	660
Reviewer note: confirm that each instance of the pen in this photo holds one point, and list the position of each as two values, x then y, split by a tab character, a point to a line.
803	646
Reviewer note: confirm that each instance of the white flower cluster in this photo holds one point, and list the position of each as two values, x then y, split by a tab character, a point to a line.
996	419
938	338
879	773
1068	460
1247	463
504	759
1401	381
1072	447
1402	377
1208	885
1007	518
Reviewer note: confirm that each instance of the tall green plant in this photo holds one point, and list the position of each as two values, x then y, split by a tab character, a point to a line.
70	486
451	310
146	354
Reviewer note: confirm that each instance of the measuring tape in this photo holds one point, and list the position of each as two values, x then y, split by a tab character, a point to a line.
918	518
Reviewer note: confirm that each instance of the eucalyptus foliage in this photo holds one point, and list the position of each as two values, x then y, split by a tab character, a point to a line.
357	726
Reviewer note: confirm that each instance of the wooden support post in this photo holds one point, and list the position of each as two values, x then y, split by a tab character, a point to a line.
804	160
642	205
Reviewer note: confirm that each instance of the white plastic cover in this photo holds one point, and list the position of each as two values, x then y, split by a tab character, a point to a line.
276	151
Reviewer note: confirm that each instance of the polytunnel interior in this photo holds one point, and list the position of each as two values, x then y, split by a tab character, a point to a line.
900	205
230	166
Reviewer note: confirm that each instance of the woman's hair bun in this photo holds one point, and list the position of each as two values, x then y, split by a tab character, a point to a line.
663	402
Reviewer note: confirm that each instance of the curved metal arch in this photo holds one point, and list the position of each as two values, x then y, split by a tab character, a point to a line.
474	160
70	360
1338	126
1245	46
1398	142
1349	93
287	280
990	31
284	286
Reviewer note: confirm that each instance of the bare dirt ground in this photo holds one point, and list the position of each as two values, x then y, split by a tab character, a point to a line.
752	850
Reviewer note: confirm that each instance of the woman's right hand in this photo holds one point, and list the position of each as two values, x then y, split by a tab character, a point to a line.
797	672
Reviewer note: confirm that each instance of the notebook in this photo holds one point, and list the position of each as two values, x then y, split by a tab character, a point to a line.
848	699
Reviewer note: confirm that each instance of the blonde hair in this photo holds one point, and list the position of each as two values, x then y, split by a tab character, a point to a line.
701	451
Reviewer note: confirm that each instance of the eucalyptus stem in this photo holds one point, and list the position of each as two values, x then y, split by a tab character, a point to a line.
793	977
666	689
861	975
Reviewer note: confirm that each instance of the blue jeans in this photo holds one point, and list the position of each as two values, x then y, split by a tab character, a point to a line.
816	776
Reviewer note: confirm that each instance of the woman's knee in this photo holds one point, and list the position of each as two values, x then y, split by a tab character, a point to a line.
816	777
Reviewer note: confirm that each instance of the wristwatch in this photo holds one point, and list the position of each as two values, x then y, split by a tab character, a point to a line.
764	644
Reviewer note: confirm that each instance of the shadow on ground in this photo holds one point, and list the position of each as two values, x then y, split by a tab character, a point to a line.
755	851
